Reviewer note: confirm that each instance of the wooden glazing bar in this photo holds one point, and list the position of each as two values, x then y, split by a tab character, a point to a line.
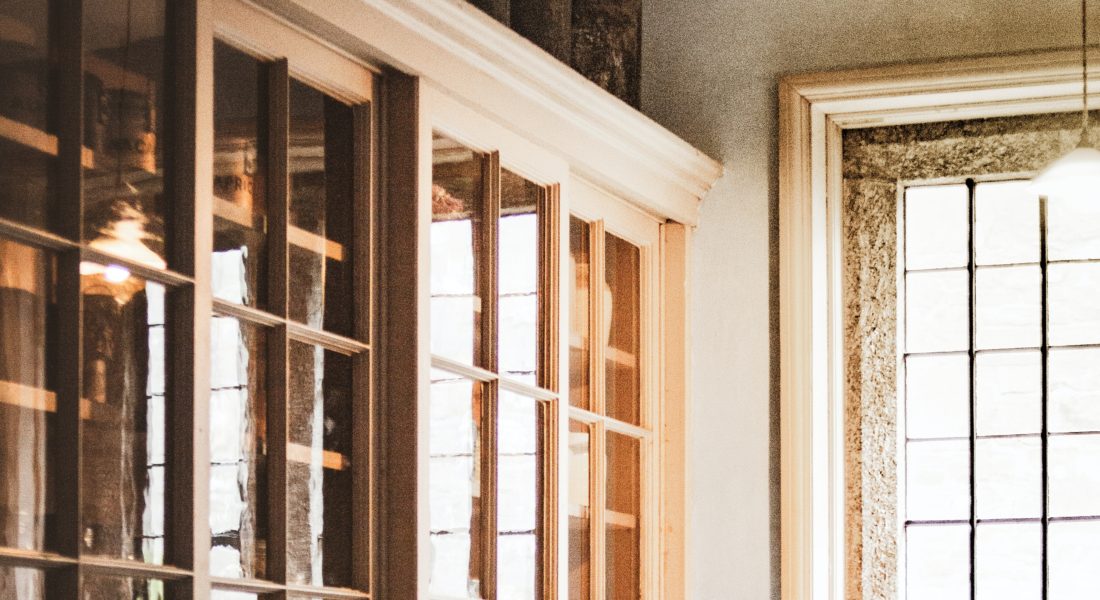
596	278
598	521
34	237
13	557
973	387
168	278
548	503
362	385
1044	439
488	261
278	352
549	291
488	498
274	141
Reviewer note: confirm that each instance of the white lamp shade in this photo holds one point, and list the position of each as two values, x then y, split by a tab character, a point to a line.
1075	174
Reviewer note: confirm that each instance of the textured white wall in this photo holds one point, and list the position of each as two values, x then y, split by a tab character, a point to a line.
710	71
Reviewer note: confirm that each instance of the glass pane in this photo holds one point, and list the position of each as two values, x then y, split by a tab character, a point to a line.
1007	227
937	562
1074	552
240	210
1009	561
937	223
1073	228
1009	393
319	455
1074	476
1008	476
580	526
623	517
937	396
322	215
28	403
937	480
454	486
519	518
112	587
519	277
1074	312
937	311
22	584
1074	390
622	329
1008	307
125	93
123	443
580	336
25	98
456	255
238	461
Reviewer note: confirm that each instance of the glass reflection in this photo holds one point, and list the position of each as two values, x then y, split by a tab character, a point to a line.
25	95
124	132
519	515
123	413
454	486
580	526
240	208
110	587
21	583
28	403
519	276
622	329
319	495
238	469
321	217
457	190
580	342
623	512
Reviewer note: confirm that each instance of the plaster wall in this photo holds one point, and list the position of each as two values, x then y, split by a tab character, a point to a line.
710	70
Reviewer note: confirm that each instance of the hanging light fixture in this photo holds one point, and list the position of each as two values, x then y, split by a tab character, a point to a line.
1079	171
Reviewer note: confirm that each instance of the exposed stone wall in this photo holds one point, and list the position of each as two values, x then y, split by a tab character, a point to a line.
601	39
875	161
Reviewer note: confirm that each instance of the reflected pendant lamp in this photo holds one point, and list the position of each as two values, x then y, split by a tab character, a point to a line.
1078	172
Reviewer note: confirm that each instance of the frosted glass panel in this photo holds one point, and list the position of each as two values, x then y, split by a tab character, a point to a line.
1008	307
1009	392
1073	228
1007	223
938	562
937	311
938	480
1009	561
1074	400
937	396
1074	552
1008	478
1074	310
936	224
1074	464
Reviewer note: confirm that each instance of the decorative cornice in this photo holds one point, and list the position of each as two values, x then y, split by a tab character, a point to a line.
466	53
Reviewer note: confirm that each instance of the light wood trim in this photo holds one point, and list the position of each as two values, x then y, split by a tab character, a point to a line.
597	374
549	287
487	261
302	454
598	522
675	407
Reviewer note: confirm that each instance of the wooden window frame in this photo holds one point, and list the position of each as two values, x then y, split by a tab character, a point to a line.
192	26
814	111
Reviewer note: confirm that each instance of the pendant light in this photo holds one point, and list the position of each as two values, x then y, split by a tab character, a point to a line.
1078	172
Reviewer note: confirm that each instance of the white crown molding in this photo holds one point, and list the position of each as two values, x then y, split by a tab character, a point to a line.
484	64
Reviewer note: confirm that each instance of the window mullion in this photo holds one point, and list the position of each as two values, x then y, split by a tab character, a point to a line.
1044	437
276	141
67	337
598	533
488	273
361	407
971	189
596	267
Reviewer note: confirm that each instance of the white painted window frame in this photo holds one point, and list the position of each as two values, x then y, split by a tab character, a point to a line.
814	111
